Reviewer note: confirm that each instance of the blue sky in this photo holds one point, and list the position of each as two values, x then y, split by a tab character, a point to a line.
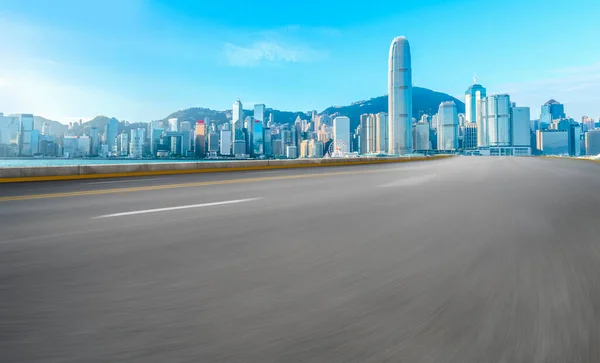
143	59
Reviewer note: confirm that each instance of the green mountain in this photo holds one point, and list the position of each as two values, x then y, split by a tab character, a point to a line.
56	128
425	101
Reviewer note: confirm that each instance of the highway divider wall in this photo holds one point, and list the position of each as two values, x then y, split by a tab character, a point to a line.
45	173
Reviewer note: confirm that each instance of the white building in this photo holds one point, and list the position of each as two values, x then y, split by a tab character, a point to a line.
495	121
400	97
592	142
447	126
381	132
291	152
473	96
422	142
174	124
9	130
237	120
136	143
124	144
341	133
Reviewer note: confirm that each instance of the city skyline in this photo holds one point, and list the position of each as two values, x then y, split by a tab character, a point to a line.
63	70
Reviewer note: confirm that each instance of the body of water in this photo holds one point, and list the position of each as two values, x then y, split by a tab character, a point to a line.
25	162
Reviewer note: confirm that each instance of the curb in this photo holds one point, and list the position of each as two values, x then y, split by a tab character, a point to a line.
210	170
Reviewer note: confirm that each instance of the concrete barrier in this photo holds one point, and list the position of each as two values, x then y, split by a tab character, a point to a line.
44	173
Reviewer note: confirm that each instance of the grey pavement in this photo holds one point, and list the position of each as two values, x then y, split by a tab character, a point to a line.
470	259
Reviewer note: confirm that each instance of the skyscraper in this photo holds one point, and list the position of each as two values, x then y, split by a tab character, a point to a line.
24	137
257	138
592	142
111	131
94	141
470	136
237	120
520	126
447	126
381	137
225	148
200	139
552	110
136	143
400	97
495	119
267	144
259	113
174	124
473	95
422	136
341	133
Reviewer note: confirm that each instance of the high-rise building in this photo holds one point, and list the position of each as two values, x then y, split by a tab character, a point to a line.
111	130
26	123
365	128
257	138
237	119
259	113
422	136
553	142
552	110
35	142
94	141
592	142
267	145
277	147
155	138
304	149
495	121
9	130
447	126
341	133
521	135
473	95
174	124
400	97
291	152
136	143
225	148
461	119
575	139
46	129
588	123
239	148
381	132
200	139
470	136
315	149
213	143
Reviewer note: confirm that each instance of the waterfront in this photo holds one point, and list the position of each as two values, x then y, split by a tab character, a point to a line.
29	162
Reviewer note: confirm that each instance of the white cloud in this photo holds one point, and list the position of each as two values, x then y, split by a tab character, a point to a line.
267	52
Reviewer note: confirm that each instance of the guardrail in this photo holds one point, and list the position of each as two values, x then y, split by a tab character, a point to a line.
46	173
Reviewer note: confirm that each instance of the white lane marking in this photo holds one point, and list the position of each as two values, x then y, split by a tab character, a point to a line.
410	181
127	180
175	208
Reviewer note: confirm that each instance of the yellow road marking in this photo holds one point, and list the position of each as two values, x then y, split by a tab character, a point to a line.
187	185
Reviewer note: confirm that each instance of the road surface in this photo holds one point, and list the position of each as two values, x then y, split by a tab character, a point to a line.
469	259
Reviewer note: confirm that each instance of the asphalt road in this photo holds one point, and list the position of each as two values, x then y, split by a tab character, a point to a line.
470	259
